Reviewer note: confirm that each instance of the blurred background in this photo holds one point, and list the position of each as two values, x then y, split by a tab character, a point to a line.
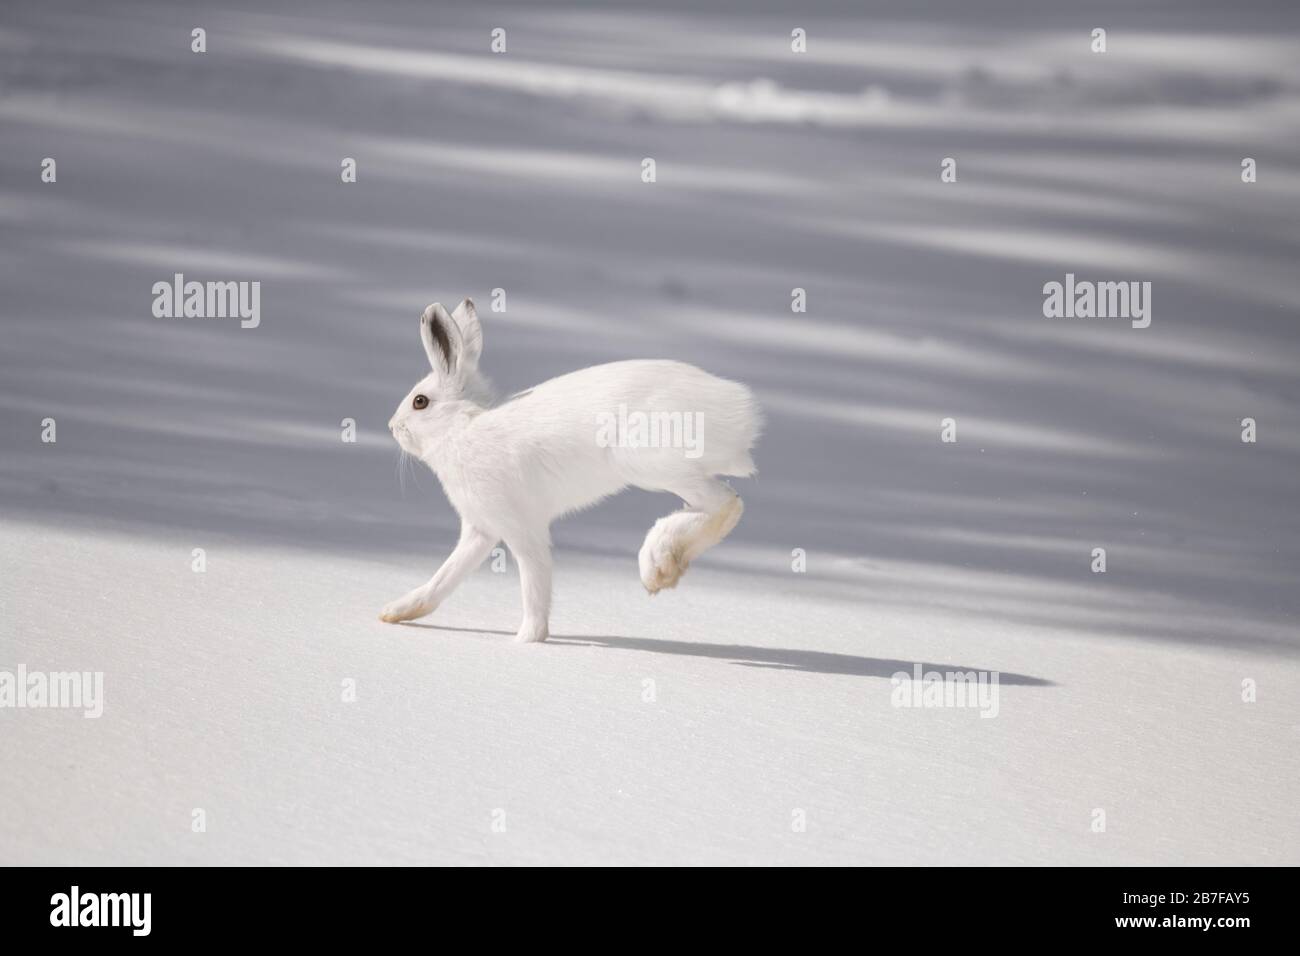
521	171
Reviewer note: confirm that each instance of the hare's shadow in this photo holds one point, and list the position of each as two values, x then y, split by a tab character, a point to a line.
747	655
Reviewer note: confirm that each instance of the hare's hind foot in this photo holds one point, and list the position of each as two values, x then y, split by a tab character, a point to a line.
679	538
661	558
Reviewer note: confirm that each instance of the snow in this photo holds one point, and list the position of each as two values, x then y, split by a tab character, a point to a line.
770	695
702	725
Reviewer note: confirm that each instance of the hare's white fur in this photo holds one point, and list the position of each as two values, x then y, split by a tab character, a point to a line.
511	469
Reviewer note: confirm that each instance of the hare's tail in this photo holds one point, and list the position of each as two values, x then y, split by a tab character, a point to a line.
735	429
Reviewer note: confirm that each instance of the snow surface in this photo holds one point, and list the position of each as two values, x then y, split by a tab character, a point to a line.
223	692
771	689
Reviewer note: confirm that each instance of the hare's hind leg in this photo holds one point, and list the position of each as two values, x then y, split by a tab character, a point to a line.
712	510
468	554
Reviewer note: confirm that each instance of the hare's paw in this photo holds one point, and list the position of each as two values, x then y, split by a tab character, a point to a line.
408	607
531	633
661	561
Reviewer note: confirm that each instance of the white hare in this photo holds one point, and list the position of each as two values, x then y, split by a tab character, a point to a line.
512	469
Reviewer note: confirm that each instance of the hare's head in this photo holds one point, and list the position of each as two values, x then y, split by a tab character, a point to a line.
453	343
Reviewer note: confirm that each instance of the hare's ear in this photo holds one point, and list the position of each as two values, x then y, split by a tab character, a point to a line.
441	338
471	333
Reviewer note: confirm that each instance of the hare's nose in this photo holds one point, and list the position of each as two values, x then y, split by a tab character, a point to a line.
392	423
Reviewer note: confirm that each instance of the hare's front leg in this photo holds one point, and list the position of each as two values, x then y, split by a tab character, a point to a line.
533	553
468	554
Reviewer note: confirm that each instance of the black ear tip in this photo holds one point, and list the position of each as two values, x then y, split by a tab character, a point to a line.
438	332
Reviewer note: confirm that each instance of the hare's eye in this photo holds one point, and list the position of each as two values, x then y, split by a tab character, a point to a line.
421	401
